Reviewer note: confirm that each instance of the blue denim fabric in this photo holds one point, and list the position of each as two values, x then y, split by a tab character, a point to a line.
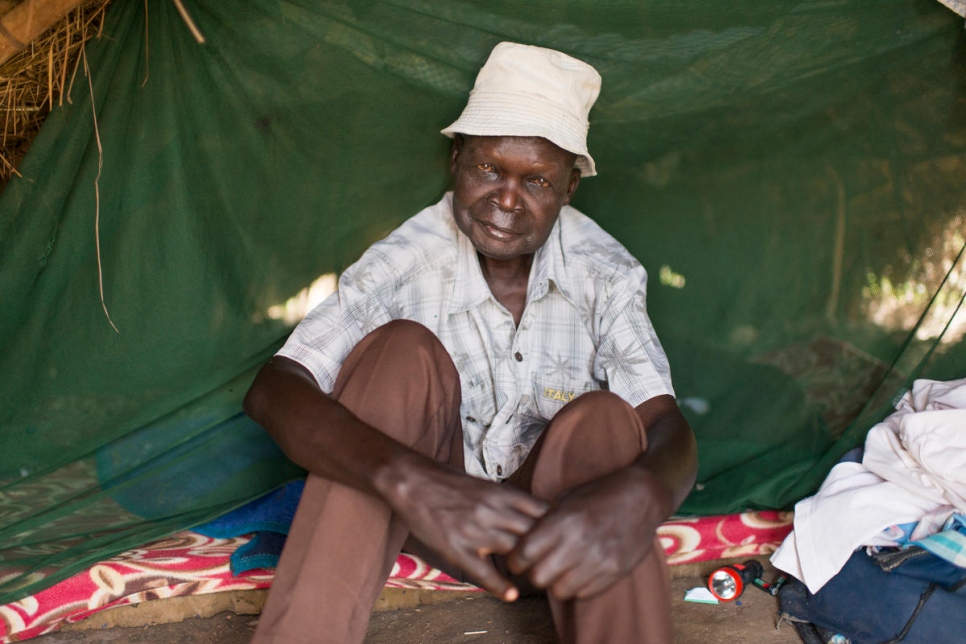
871	606
921	564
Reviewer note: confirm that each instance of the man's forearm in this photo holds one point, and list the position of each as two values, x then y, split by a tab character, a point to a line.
671	455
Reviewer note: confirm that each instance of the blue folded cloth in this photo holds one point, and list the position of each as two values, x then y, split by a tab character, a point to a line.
262	551
272	512
269	517
950	543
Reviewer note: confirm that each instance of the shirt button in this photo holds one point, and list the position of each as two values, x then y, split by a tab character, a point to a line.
518	356
499	470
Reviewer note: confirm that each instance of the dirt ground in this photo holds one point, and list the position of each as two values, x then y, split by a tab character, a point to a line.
460	617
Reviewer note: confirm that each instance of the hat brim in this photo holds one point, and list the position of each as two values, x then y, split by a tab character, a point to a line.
496	114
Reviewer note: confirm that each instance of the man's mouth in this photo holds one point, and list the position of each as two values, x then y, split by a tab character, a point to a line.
501	234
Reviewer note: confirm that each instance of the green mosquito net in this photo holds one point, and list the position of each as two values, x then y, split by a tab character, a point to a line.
791	174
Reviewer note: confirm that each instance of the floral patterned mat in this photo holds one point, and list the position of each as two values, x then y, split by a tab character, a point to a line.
188	563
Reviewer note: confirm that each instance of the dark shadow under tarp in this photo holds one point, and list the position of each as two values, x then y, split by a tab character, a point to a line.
791	175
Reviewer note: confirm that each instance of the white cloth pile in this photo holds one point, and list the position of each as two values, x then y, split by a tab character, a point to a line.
913	470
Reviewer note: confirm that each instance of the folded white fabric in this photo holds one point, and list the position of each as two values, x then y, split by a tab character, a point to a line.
913	469
924	453
930	395
851	508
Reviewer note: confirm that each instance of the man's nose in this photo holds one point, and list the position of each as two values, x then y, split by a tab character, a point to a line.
507	197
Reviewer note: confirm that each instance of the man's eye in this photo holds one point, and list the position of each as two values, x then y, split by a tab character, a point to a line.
485	167
540	181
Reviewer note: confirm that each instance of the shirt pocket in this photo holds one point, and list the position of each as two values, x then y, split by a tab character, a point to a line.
552	393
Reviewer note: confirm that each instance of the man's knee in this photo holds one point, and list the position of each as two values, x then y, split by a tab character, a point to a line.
401	380
592	413
408	329
592	401
408	347
593	435
407	334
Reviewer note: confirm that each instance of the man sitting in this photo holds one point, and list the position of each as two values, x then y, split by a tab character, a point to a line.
485	389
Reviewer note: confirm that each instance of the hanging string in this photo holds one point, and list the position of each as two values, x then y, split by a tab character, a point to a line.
97	192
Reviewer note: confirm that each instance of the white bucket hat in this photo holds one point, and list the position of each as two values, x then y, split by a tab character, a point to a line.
531	91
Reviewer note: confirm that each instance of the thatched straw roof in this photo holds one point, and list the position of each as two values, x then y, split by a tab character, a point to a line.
40	45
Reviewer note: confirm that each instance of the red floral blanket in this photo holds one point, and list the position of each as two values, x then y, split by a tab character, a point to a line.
187	563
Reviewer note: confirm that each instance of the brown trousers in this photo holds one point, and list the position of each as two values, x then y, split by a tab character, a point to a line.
343	542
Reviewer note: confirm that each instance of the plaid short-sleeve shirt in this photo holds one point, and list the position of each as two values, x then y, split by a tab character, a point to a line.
585	327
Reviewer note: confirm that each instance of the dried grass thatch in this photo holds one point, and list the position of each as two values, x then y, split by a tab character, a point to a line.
35	80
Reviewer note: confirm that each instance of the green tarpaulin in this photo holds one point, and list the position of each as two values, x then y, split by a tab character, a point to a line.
791	174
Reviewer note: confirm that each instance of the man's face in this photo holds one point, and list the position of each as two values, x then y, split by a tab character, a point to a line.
509	191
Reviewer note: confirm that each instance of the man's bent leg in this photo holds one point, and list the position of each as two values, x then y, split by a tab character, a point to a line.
597	434
343	542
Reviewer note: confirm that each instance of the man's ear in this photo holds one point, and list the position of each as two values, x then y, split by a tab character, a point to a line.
572	186
455	152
